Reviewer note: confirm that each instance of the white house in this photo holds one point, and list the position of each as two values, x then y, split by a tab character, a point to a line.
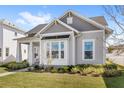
8	46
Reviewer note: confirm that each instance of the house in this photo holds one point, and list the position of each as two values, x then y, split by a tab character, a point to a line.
116	54
68	40
8	31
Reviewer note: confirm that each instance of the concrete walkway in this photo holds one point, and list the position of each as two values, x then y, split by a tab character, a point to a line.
6	73
9	73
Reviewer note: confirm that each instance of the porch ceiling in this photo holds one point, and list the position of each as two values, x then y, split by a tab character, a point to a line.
55	37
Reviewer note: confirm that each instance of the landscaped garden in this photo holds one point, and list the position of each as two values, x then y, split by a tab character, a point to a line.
80	76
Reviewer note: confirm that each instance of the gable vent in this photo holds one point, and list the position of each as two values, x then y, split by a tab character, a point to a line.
69	20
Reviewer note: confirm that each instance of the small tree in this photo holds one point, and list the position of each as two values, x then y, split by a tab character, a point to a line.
116	16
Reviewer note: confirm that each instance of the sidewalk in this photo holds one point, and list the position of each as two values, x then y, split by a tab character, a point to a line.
9	73
6	73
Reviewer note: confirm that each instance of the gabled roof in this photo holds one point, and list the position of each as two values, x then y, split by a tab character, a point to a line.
84	18
90	20
100	19
36	29
11	25
54	22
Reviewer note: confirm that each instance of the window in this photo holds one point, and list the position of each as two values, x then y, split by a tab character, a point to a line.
25	51
55	50
48	50
0	52
7	51
16	34
69	20
62	50
88	49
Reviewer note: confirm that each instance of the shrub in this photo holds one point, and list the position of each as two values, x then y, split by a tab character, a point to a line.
49	68
82	72
36	67
16	66
61	70
6	64
110	66
112	73
54	70
66	69
75	69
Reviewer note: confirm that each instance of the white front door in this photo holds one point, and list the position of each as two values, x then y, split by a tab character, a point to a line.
36	54
56	52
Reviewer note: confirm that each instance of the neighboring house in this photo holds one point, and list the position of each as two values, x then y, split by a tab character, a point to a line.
69	40
116	54
8	32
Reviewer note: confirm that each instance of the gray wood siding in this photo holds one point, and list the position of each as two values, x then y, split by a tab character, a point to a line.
80	24
57	28
98	37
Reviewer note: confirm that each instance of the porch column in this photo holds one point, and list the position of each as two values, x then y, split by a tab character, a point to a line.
19	53
73	47
40	56
30	53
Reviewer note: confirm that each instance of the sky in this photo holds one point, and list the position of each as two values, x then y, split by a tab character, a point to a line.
28	16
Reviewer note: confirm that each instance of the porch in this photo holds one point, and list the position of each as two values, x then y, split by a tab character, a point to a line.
49	49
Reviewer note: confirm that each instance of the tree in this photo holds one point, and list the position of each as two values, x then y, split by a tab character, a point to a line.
116	16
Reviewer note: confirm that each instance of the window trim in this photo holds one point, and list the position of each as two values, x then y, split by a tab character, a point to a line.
83	50
6	51
59	50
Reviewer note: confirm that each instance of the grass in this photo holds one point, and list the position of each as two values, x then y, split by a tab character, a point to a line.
54	80
3	69
48	80
115	82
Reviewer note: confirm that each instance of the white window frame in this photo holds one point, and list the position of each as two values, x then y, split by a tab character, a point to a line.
83	49
8	51
59	56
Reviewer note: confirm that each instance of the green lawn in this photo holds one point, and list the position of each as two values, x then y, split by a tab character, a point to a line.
3	69
48	80
115	82
52	80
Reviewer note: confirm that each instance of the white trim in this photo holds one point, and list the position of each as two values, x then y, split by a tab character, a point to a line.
104	47
57	20
84	18
58	34
86	40
92	31
71	28
73	47
59	49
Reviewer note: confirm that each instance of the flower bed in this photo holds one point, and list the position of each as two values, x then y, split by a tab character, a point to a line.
107	70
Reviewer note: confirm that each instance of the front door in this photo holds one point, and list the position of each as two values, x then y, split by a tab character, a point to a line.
56	52
36	55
